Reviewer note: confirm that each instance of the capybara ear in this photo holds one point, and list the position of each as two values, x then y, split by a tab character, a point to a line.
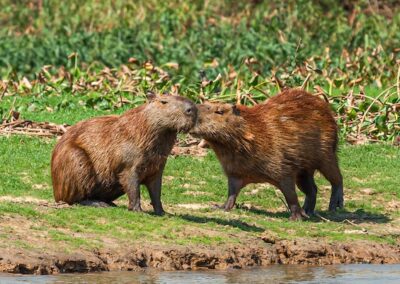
235	110
150	95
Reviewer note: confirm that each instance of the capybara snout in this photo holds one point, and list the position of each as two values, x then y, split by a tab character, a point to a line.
103	158
175	112
214	119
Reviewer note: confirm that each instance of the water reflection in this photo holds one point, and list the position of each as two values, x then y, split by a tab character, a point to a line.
273	274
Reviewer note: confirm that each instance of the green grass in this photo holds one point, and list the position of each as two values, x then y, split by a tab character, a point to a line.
200	182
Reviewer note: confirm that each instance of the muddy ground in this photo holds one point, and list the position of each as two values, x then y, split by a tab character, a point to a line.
309	252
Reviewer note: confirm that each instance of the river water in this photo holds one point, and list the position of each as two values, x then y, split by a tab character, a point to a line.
354	273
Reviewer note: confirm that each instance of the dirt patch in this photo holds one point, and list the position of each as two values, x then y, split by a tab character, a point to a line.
194	206
196	193
22	199
310	252
33	200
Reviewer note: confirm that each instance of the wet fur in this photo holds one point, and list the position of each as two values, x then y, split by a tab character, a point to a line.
283	142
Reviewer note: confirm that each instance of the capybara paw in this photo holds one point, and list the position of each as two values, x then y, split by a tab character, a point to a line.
334	205
309	212
136	208
228	206
159	212
217	207
298	215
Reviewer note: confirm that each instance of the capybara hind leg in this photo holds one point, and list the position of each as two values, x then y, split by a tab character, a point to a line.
234	187
131	185
305	182
95	203
287	186
73	175
154	187
332	173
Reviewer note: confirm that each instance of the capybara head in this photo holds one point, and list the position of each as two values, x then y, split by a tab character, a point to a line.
171	112
216	121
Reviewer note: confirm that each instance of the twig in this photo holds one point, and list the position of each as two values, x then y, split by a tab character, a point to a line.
283	201
354	224
369	107
238	94
250	99
26	133
11	109
322	218
4	92
12	124
279	83
350	222
398	82
262	91
305	81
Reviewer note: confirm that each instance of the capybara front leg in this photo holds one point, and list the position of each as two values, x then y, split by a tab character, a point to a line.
287	186
234	187
131	186
154	188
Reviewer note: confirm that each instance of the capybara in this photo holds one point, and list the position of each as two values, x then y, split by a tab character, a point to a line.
283	142
100	159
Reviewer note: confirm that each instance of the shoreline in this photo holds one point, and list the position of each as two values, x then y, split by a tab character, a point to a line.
302	251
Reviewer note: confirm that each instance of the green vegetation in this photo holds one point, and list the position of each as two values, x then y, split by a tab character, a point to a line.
192	186
101	56
348	43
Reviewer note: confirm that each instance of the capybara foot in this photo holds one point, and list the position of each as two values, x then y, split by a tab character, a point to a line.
309	211
298	215
218	206
159	212
229	204
336	204
135	208
94	203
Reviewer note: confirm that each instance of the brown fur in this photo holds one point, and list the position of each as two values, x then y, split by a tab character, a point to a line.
283	142
103	158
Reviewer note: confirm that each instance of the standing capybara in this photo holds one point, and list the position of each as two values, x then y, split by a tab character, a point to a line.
100	159
283	142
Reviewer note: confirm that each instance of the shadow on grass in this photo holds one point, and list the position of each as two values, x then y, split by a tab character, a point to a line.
233	223
358	216
257	211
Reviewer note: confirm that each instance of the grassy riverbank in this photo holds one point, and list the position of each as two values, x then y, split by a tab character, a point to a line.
192	185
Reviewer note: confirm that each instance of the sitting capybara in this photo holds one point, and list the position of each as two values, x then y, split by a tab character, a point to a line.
283	142
100	159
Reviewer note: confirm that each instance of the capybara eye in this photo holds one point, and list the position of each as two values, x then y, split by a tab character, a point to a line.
164	102
219	112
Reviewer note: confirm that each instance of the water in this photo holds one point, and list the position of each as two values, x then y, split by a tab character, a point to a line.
355	273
